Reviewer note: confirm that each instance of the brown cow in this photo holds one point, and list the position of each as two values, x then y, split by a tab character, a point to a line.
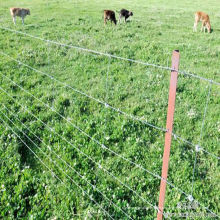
109	16
204	18
20	12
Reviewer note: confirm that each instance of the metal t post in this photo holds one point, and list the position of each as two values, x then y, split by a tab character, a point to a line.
169	127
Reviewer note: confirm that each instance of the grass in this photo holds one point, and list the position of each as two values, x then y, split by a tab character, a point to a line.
156	29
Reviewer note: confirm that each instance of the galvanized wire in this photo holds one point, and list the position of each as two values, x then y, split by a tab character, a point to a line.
110	55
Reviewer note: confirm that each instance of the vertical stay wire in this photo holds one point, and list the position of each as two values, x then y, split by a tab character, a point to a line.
52	85
107	93
54	163
201	134
60	158
107	81
98	164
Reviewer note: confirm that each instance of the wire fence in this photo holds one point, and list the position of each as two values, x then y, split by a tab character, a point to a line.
7	121
109	55
107	105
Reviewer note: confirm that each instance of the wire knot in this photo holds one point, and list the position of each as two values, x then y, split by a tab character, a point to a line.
197	148
190	198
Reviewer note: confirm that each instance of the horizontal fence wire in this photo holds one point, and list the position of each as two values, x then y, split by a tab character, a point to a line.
107	105
110	55
88	157
104	147
58	156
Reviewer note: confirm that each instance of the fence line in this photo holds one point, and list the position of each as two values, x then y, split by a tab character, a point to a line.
197	147
93	139
137	165
60	158
98	164
88	96
110	55
102	145
109	106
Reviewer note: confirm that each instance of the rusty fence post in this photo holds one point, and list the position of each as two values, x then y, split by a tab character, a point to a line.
169	127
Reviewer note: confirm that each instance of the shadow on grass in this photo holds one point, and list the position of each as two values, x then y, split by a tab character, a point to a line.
215	30
25	148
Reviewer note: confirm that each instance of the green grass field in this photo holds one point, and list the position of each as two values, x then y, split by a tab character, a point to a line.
51	119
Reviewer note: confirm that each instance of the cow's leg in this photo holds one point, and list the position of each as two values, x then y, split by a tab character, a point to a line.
119	19
22	18
14	20
207	27
203	26
126	18
195	26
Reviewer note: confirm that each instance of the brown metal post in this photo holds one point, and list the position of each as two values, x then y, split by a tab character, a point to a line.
169	127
